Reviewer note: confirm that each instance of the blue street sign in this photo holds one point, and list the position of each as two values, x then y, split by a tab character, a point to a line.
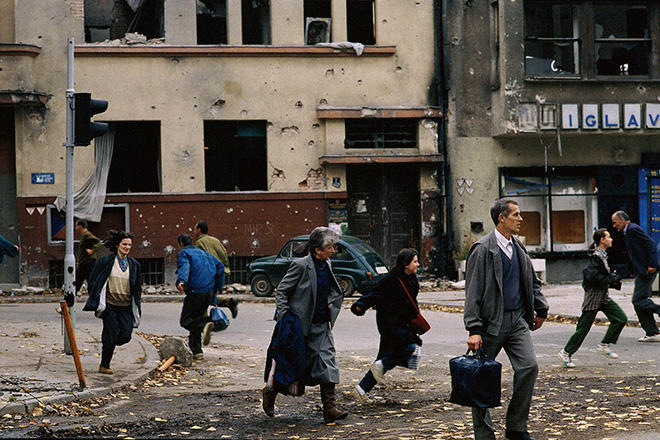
43	178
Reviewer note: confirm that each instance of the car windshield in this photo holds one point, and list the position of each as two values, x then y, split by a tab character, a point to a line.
362	248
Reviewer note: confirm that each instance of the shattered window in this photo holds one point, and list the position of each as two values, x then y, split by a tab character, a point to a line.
552	45
255	16
622	43
113	19
361	21
317	21
135	165
235	156
381	133
559	207
211	22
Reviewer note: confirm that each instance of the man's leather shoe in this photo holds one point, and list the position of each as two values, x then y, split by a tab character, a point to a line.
518	435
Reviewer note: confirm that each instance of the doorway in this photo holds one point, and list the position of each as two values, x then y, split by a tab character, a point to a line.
383	208
9	269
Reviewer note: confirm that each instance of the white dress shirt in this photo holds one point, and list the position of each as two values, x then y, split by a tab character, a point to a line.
504	244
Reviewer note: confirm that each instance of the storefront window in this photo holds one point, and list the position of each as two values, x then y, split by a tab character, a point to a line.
560	211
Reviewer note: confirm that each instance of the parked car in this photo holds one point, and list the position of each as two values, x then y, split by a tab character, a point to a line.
356	265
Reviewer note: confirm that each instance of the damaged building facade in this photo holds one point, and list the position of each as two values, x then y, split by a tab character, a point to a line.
263	118
556	105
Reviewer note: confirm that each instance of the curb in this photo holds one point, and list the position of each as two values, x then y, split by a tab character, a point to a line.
151	358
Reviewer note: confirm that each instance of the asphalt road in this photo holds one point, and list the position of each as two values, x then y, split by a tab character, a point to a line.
242	346
358	335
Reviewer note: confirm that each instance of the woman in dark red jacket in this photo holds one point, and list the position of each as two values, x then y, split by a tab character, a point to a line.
393	299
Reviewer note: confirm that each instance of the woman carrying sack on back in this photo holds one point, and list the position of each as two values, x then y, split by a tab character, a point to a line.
597	278
395	300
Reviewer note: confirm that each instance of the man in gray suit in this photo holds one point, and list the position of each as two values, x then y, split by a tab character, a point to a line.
310	290
503	302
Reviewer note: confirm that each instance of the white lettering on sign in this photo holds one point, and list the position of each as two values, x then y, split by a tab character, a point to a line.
632	116
611	118
652	115
569	117
590	116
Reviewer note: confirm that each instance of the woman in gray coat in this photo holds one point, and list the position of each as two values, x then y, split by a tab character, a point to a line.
311	291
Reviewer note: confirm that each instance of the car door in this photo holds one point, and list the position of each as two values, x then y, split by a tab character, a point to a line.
293	250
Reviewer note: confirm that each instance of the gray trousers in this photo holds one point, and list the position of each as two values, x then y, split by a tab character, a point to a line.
516	340
644	306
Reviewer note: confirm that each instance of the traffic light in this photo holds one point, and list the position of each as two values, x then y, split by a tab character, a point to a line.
84	130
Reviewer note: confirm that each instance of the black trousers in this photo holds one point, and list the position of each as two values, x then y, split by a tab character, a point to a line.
83	272
194	318
117	330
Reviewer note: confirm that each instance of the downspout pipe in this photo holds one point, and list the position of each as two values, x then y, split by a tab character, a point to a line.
438	97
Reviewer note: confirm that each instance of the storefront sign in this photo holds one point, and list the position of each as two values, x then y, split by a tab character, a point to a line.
532	116
608	116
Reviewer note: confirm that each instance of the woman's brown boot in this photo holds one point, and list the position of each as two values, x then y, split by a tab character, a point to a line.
330	410
268	401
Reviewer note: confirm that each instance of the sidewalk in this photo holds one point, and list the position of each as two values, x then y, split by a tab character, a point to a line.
31	358
33	367
565	299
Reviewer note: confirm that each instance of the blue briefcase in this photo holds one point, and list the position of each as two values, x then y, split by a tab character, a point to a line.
476	381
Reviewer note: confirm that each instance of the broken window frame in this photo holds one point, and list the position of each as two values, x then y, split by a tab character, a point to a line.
357	28
624	43
147	18
555	195
235	168
318	18
211	22
557	44
256	25
381	133
131	161
588	41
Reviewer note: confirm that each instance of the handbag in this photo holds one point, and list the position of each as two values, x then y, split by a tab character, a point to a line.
219	319
419	324
476	381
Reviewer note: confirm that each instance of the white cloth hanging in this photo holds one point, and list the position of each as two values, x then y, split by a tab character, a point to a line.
89	199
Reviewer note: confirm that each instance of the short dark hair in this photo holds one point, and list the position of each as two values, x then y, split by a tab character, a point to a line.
599	234
82	223
115	239
184	239
622	215
403	259
320	238
203	227
501	206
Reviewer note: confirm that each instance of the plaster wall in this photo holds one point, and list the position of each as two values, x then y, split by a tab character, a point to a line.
7	22
40	132
180	22
182	92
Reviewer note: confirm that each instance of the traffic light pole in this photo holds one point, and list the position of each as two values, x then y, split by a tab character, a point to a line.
69	257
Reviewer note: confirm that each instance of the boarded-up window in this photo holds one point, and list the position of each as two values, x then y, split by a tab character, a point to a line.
568	226
531	227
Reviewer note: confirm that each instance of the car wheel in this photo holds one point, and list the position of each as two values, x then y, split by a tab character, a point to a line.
261	285
347	286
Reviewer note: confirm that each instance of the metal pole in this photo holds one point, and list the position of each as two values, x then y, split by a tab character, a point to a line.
69	258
